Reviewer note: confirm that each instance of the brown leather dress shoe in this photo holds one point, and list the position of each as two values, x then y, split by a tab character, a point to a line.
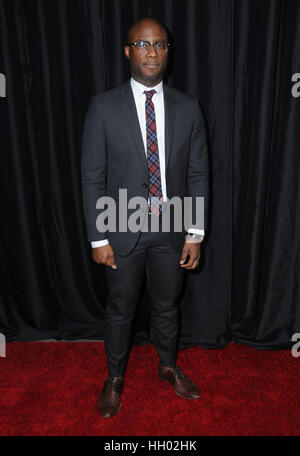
109	401
183	386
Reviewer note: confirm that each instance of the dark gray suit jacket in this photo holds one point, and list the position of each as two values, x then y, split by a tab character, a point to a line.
113	157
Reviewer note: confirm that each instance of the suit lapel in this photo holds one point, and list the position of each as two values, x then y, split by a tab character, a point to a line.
131	118
170	107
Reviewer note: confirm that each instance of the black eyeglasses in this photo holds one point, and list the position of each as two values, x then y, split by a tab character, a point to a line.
142	45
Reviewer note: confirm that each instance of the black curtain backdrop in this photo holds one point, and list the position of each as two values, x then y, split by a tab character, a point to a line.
238	58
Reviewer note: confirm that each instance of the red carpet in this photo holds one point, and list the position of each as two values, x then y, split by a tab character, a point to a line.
52	389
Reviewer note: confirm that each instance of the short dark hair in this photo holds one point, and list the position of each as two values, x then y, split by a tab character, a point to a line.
142	19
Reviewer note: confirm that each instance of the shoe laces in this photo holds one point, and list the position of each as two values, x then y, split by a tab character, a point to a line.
115	383
178	372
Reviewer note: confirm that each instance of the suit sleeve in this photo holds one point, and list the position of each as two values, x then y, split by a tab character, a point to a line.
198	170
93	167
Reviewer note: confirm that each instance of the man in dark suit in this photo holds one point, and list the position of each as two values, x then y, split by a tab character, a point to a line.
149	139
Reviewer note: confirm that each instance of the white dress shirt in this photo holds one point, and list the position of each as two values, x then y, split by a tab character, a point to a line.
159	108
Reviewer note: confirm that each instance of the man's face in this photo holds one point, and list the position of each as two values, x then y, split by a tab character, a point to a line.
147	66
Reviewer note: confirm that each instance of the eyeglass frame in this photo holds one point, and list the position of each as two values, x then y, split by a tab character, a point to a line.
150	44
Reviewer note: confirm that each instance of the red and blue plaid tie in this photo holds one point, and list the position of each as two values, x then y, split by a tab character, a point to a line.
155	192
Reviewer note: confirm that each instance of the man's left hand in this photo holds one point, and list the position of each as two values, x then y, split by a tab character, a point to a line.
193	250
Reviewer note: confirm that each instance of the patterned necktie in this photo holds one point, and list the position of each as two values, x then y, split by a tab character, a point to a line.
155	192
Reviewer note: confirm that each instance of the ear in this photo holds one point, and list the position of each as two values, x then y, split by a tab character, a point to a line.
127	51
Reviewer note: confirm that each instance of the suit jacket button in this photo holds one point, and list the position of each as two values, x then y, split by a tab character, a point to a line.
145	185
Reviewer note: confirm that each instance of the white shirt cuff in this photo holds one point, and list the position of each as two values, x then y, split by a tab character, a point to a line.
194	230
96	244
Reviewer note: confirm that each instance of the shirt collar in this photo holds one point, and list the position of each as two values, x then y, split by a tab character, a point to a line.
140	87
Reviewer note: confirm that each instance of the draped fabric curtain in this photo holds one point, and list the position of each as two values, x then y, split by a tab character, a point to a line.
238	58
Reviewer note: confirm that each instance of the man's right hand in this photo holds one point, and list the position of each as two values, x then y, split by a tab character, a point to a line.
104	255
